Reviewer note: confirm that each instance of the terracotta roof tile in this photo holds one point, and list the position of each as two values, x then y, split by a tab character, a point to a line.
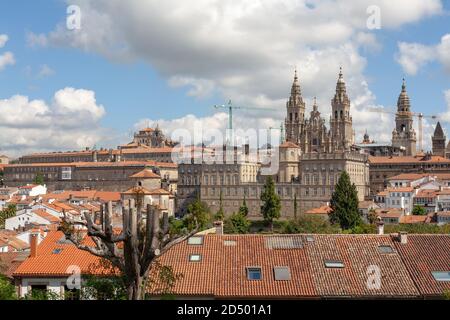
424	254
48	263
146	174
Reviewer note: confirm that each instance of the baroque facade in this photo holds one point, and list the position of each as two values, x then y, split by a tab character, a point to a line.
311	134
404	135
310	163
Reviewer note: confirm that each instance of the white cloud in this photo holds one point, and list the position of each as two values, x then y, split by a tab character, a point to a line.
245	50
6	59
36	40
413	56
45	71
443	50
446	115
200	88
70	121
3	40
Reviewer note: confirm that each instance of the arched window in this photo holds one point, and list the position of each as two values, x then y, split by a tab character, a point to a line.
335	114
342	114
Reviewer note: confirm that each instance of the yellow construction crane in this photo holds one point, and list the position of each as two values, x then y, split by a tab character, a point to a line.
419	115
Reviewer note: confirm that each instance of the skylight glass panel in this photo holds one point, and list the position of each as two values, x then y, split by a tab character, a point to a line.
195	240
385	249
334	264
195	258
282	273
441	275
229	243
254	273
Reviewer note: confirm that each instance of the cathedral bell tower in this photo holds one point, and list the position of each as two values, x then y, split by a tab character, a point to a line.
404	135
341	120
295	113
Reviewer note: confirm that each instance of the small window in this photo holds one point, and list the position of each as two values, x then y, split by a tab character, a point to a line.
254	273
310	238
385	249
441	275
229	243
195	258
57	251
195	240
334	264
282	273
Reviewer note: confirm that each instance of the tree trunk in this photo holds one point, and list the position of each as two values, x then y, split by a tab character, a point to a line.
135	290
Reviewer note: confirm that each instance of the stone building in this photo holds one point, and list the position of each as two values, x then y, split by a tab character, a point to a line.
311	177
404	136
310	163
105	176
438	140
150	137
312	134
383	168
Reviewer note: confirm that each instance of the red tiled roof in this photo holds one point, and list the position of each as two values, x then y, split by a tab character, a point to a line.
415	176
407	159
146	174
320	210
47	216
414	219
401	189
49	264
222	269
357	252
10	261
423	254
288	144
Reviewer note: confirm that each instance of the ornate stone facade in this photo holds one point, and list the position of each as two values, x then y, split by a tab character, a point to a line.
310	163
404	136
312	134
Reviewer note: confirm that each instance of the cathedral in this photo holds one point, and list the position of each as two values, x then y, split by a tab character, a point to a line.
311	134
403	135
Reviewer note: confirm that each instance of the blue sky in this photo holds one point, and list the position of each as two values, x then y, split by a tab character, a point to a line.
143	85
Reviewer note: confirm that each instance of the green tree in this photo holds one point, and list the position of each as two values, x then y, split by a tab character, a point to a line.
295	206
7	213
7	290
344	203
419	211
243	209
447	295
309	224
271	208
39	179
372	216
237	223
200	212
220	214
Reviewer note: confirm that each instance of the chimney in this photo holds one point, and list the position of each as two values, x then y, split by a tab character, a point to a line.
34	242
219	227
403	237
380	226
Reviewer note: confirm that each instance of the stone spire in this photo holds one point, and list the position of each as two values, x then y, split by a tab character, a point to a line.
438	140
438	132
403	103
341	90
296	90
315	107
